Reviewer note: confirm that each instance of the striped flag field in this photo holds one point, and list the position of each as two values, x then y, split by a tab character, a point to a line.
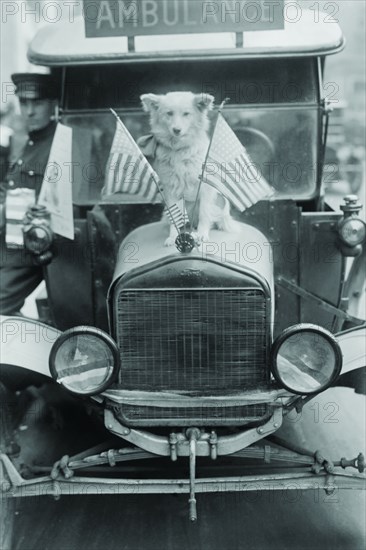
230	170
178	216
127	170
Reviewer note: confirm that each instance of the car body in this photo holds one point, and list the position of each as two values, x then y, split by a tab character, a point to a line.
187	350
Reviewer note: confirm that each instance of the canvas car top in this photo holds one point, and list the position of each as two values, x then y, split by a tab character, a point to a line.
66	42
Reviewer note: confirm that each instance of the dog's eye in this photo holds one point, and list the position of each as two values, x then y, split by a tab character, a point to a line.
186	114
170	113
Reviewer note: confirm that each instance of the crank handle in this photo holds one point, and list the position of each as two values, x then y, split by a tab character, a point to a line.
358	463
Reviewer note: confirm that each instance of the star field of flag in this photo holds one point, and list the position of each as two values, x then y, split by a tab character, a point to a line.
230	170
127	170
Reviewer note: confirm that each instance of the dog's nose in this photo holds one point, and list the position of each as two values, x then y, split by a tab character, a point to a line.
177	131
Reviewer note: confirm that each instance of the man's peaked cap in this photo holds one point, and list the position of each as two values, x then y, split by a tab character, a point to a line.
35	86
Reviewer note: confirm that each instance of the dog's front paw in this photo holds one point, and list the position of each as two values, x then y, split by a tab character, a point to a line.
197	238
170	241
202	237
203	232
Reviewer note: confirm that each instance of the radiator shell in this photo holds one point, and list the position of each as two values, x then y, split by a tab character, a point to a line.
192	326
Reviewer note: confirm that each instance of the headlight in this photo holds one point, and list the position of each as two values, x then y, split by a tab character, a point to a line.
306	359
84	360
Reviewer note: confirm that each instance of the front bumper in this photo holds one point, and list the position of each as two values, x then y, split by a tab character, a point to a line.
14	485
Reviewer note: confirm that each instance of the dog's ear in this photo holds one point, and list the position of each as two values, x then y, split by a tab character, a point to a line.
204	102
150	102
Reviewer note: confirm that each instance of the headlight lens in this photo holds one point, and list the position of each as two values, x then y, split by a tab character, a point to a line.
84	360
352	231
306	359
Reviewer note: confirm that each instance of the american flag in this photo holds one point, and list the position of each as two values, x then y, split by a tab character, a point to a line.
177	215
230	170
127	170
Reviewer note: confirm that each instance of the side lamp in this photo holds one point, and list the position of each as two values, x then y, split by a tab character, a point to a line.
38	234
351	228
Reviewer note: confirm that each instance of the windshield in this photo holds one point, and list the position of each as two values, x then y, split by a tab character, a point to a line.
281	143
273	111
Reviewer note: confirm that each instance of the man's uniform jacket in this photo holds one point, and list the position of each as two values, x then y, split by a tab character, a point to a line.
28	168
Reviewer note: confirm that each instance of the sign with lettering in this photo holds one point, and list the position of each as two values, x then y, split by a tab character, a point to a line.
150	17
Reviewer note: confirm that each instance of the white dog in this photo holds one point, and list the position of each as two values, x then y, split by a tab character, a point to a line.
178	146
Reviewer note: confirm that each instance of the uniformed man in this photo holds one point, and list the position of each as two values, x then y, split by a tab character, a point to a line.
37	94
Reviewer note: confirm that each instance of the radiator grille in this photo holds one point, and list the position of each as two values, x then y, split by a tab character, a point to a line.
193	341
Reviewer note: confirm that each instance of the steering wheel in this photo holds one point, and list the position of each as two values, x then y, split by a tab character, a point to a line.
260	147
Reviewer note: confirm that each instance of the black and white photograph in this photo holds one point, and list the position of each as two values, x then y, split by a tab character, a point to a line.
182	275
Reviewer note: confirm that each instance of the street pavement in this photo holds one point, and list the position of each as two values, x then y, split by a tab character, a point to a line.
333	422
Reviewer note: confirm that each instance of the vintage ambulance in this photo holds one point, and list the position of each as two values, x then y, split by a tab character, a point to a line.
192	360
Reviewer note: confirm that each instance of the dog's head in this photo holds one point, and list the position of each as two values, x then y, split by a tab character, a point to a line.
177	117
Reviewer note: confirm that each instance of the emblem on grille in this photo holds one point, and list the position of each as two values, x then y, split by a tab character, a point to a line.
193	275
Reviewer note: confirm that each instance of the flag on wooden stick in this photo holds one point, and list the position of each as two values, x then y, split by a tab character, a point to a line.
127	170
230	170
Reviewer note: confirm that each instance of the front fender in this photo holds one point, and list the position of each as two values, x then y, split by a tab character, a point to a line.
353	346
26	343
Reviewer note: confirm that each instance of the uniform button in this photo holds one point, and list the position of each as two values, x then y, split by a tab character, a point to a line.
20	162
30	142
11	183
30	173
